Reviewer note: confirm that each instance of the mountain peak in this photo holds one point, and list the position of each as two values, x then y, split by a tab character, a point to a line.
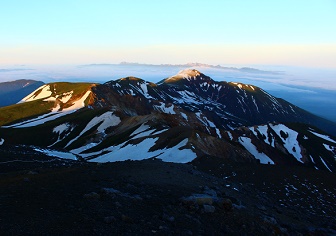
189	75
189	72
131	78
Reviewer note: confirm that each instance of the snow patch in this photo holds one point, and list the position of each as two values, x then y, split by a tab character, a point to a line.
201	119
328	147
176	155
50	99
187	98
142	128
79	103
325	164
141	151
210	123
144	134
148	132
84	148
56	109
290	142
144	88
138	151
238	85
253	131
63	155
325	137
163	108
255	103
311	158
131	92
159	132
184	116
66	97
230	135
61	128
107	120
218	133
247	143
44	93
263	131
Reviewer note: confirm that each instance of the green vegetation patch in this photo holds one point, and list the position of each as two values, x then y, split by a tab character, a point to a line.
23	111
64	87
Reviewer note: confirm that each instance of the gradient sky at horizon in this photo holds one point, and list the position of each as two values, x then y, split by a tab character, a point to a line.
294	33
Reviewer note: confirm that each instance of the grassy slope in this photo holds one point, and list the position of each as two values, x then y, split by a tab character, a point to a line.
35	108
42	135
23	110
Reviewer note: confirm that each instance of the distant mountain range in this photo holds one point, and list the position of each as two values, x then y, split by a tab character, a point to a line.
13	91
191	65
181	119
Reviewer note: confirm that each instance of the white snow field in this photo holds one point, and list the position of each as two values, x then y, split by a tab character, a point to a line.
246	142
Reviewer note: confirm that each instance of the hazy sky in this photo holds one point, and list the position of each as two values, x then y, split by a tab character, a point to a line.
286	32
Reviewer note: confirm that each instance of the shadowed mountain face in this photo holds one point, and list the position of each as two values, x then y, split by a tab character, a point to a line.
181	119
12	92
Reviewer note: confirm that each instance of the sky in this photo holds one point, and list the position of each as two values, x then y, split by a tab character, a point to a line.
234	32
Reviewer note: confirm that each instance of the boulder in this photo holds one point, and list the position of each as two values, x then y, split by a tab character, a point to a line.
208	208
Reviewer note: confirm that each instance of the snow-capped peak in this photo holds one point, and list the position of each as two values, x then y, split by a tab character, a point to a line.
189	73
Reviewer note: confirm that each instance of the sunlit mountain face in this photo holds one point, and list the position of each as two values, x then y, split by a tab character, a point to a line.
310	89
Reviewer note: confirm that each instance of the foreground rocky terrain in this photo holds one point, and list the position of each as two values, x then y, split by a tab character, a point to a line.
51	196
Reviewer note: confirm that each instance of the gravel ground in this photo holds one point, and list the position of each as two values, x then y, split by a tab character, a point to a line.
40	195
